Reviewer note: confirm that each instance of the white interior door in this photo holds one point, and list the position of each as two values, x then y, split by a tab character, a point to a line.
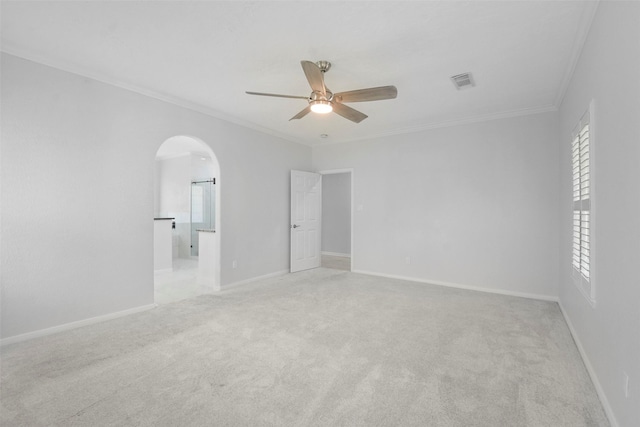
306	211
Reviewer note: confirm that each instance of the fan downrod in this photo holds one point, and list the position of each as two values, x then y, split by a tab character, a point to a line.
324	66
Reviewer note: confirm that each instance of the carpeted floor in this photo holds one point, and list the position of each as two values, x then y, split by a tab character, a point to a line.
316	348
336	262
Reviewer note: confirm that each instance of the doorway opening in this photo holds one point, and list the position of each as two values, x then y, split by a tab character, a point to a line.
203	209
186	220
337	219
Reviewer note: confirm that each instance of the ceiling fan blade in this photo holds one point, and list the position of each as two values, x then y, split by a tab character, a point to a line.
301	114
348	112
277	95
370	94
314	76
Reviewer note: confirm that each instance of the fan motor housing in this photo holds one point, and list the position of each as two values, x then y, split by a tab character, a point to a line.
317	96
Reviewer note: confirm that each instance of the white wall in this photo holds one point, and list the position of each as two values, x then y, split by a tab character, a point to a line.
77	195
473	205
609	333
336	213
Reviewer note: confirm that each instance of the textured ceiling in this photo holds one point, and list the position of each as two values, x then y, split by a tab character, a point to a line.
205	55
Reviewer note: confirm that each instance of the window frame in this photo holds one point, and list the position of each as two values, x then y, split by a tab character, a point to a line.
586	285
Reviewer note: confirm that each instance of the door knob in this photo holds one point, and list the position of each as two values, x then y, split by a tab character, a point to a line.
295	226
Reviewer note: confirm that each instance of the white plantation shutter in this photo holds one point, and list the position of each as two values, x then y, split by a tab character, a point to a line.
582	218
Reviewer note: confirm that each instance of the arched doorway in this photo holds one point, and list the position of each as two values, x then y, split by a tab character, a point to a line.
186	220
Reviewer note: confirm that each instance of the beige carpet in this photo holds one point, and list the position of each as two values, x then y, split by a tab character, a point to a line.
315	348
336	262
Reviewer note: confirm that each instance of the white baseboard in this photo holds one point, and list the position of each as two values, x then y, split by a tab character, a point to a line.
592	373
253	279
336	254
459	286
73	325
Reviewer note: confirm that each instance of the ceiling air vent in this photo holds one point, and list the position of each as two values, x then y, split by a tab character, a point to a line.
463	81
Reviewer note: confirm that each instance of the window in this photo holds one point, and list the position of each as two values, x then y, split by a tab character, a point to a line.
582	247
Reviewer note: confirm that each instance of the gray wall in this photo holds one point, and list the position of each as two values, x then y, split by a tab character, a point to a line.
336	213
609	332
473	205
78	195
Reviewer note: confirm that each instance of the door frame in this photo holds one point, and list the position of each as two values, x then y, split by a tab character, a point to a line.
351	171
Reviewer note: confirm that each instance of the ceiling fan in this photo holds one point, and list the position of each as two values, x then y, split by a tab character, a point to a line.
323	101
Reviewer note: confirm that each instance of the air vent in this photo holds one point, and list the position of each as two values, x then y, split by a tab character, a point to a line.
463	81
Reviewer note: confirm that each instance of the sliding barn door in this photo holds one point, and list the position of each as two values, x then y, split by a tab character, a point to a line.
306	210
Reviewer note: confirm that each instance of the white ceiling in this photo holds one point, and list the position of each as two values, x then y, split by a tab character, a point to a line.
205	54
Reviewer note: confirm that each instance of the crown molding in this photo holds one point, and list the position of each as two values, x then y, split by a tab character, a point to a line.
180	102
451	123
78	70
588	14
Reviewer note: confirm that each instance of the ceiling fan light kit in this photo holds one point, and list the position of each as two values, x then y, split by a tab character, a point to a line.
320	107
323	101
